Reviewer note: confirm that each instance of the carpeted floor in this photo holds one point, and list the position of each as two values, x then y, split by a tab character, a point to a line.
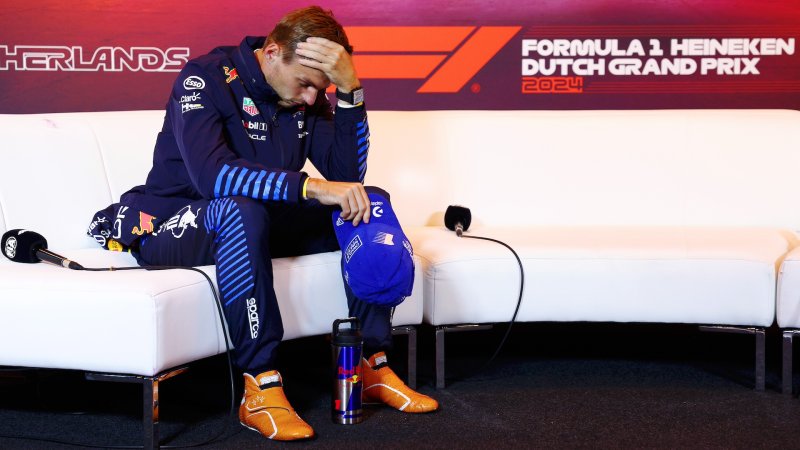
553	386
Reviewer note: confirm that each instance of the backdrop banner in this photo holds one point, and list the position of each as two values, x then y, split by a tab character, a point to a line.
103	55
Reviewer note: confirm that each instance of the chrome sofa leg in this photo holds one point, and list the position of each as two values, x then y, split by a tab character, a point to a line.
440	331
440	357
760	356
149	397
786	375
411	332
761	360
150	413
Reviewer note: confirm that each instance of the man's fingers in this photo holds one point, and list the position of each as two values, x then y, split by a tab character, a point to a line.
368	205
322	41
352	198
355	209
359	216
314	64
330	58
347	210
319	52
359	204
311	53
350	207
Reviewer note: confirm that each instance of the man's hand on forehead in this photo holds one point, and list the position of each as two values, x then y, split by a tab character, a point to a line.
330	58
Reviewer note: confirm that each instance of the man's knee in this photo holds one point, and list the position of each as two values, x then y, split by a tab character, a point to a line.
230	214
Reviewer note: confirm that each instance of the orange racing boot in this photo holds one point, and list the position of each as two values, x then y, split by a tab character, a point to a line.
381	385
265	409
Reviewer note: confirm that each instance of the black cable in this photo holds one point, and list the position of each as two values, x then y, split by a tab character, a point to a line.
227	353
513	318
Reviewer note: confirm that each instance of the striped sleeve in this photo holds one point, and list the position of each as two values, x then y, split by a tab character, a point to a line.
259	184
339	147
362	136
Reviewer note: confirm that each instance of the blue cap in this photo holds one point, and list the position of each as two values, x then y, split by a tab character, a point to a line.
378	260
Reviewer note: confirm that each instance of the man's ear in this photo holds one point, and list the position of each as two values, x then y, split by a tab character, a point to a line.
272	52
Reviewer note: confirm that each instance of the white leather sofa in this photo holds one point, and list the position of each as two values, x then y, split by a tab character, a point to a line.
618	216
138	326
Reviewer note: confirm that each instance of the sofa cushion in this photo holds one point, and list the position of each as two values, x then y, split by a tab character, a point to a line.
603	274
54	177
144	322
788	298
585	168
125	140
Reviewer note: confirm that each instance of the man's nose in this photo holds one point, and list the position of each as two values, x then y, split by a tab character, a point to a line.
310	96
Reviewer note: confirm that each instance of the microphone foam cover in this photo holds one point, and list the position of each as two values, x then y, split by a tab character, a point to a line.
21	245
457	214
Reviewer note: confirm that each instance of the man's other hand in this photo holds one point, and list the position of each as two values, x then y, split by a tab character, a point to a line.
351	197
330	58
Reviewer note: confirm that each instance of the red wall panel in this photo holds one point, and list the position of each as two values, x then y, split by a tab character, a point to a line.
422	54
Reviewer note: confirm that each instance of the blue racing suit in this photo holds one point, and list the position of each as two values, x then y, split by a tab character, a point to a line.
225	189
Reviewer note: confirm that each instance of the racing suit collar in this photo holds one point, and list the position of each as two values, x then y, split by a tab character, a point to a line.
249	70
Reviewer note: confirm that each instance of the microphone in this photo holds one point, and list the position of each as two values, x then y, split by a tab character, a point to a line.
25	246
457	218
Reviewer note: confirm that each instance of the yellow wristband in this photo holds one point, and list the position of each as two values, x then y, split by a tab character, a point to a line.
305	185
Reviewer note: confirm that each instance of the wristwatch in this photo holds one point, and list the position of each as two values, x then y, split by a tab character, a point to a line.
353	97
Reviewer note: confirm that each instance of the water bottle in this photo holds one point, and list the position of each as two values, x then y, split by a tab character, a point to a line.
346	345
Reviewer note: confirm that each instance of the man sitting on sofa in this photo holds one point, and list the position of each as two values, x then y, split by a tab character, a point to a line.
226	189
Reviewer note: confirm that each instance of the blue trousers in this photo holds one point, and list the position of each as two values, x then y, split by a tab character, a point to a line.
241	236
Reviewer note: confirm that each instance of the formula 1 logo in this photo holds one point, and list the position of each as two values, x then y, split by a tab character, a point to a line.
445	57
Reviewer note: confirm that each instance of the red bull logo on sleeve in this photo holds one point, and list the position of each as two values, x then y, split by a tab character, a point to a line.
145	224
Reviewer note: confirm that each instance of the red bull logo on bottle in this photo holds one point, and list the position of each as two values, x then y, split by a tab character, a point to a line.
346	346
